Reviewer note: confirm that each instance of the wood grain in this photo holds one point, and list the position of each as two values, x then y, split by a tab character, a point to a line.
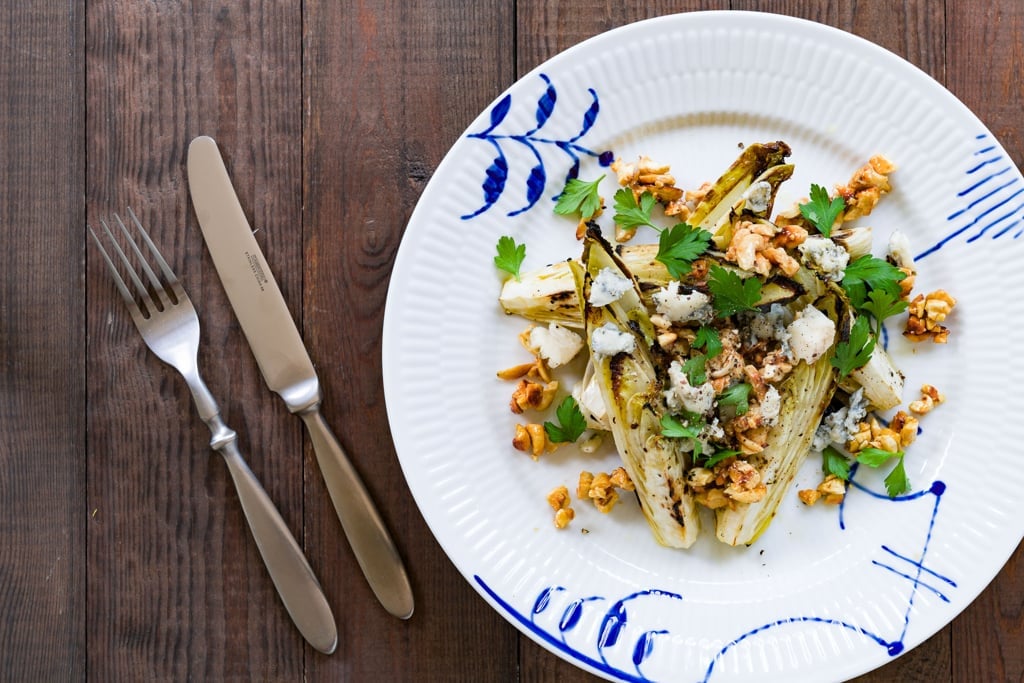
988	636
123	552
42	350
176	587
389	87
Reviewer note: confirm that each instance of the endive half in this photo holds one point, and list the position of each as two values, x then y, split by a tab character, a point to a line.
631	391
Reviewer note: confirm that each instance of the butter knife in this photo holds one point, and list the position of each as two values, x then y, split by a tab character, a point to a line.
287	368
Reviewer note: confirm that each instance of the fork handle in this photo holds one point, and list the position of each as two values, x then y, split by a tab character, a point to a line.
296	584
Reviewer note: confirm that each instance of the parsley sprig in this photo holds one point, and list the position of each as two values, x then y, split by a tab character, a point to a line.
732	293
855	352
510	255
834	462
708	339
571	423
695	368
679	245
869	273
896	482
689	426
821	210
628	213
738	396
579	196
674	428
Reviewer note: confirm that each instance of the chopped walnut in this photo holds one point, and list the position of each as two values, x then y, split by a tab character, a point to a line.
790	236
776	367
687	204
808	496
925	312
894	438
601	488
752	248
620	479
532	395
906	426
538	369
583	487
867	186
558	499
930	397
532	439
907	283
831	491
646	175
745	485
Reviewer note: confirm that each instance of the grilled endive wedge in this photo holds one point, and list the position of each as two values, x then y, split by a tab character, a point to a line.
549	295
805	393
631	391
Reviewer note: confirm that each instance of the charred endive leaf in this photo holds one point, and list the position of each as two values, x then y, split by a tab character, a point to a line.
632	395
548	295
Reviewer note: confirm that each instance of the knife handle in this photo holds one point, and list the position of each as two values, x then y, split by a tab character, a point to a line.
369	538
292	576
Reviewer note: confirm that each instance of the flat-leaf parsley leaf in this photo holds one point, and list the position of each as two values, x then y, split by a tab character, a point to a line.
510	255
718	457
880	305
896	482
674	429
870	272
628	213
822	211
708	339
834	462
695	368
732	293
679	245
856	351
571	422
579	196
738	396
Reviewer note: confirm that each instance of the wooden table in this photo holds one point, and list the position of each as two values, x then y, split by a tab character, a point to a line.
123	552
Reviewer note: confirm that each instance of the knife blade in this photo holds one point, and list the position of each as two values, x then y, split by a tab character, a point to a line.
287	369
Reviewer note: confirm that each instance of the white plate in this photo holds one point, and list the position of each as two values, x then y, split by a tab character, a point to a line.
826	593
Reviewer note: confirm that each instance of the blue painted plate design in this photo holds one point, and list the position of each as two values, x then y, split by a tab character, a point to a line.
826	593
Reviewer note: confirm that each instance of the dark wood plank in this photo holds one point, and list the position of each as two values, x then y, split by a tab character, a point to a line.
985	54
389	86
547	28
42	334
176	587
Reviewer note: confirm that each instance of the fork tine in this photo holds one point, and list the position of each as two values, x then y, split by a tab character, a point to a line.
118	280
158	286
169	275
139	286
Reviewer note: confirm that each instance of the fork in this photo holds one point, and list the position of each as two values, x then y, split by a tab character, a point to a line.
165	317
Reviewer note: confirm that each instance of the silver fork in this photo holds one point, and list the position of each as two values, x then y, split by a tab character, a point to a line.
170	327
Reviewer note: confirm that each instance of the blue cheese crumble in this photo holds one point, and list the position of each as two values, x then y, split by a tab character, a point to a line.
608	287
825	256
609	340
683	308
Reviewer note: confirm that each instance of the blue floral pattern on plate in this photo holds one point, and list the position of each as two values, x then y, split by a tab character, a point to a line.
496	175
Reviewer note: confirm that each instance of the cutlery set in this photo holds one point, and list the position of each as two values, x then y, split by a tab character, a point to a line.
169	325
